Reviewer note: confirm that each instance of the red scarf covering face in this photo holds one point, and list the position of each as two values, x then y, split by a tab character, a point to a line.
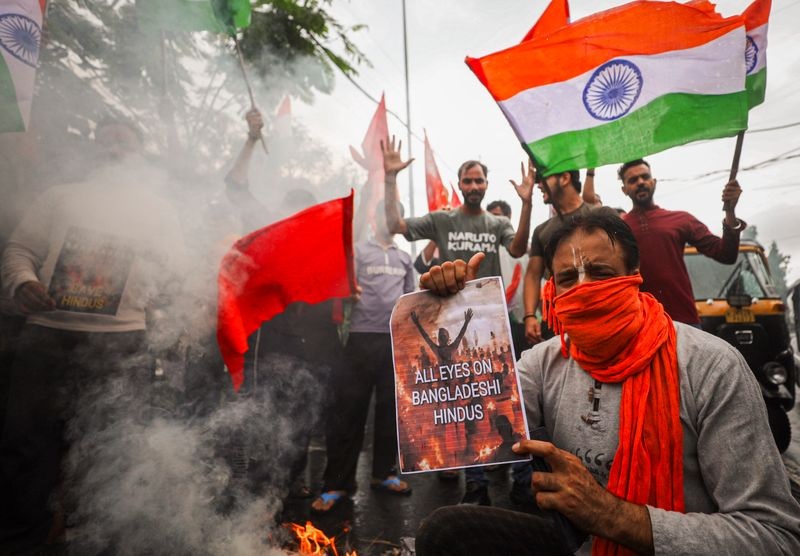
619	334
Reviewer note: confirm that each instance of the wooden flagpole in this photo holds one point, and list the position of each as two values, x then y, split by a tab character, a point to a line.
249	88
737	153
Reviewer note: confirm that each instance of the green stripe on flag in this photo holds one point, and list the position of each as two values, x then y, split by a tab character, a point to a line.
178	15
10	117
667	121
756	85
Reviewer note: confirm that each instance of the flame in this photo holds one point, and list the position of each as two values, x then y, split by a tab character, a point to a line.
315	542
485	453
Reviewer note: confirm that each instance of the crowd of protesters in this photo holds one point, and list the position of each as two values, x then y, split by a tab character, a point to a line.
319	365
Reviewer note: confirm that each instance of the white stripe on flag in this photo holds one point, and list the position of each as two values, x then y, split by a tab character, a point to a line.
714	68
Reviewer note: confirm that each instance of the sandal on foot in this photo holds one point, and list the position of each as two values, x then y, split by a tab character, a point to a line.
391	485
300	491
327	501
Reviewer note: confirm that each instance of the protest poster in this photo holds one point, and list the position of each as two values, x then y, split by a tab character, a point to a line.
456	383
91	272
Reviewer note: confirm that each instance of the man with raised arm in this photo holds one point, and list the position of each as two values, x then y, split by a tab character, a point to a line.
671	453
663	234
469	229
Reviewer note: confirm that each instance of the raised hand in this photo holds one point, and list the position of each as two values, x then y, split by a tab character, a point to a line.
392	161
528	180
730	195
468	315
255	123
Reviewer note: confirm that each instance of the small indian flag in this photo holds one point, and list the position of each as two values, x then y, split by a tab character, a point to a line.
20	36
622	84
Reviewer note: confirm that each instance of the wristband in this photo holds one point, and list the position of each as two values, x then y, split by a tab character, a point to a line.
738	227
528	316
589	174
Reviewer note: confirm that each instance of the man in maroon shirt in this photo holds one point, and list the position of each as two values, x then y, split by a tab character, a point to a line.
662	235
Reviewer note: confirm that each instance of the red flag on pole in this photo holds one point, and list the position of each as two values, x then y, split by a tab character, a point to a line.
371	158
437	194
516	277
285	108
455	200
555	15
280	264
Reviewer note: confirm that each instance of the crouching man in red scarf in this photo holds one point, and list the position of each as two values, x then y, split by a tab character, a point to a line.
660	442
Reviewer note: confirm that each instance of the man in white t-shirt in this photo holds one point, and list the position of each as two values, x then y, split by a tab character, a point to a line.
84	264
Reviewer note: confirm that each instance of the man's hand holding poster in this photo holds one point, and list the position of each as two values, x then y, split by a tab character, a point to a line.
458	395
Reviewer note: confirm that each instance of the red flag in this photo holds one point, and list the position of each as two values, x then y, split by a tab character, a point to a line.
280	264
281	133
371	158
455	200
511	290
437	194
555	15
285	109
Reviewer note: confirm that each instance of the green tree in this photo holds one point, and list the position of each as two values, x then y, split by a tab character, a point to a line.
779	267
185	90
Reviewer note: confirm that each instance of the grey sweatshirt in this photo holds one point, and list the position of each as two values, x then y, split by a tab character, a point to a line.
738	499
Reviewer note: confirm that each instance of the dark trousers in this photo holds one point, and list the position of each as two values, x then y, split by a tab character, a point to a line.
367	367
468	529
59	377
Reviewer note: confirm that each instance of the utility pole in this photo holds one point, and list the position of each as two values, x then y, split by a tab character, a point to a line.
408	128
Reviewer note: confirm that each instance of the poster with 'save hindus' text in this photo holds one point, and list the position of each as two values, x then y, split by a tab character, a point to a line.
91	272
456	384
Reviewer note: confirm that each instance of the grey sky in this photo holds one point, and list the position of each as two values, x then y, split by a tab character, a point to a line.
464	122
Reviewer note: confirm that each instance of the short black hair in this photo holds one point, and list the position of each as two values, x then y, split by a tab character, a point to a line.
469	164
599	219
574	175
631	164
504	207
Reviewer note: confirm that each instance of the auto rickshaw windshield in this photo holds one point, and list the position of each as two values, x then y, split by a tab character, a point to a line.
711	280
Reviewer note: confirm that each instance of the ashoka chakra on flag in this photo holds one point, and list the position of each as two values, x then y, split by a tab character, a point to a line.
612	90
19	36
751	54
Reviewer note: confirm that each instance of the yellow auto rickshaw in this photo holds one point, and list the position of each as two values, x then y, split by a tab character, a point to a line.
739	303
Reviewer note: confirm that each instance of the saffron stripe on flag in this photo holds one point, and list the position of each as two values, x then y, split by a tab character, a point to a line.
658	126
589	42
705	69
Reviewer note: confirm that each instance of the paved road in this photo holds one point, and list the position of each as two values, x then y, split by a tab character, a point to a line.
378	522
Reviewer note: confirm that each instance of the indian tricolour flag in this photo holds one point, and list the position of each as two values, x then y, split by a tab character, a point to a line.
622	84
756	20
20	36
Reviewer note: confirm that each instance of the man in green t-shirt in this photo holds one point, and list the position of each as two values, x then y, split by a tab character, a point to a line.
563	192
469	229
